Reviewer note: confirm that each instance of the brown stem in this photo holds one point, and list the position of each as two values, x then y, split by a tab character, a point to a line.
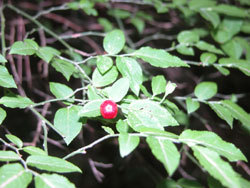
39	125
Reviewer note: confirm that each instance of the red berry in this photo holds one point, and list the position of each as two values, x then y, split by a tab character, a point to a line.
108	109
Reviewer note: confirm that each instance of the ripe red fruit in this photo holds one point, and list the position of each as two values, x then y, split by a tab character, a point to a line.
108	109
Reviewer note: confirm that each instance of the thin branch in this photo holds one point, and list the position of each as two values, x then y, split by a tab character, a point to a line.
45	120
155	36
98	175
83	34
61	7
121	26
39	124
82	150
39	25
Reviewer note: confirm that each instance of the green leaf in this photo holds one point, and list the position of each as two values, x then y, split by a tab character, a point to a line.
144	15
217	167
243	182
26	47
109	77
15	140
2	115
232	48
210	16
14	175
61	91
52	181
32	150
145	91
91	109
159	58
47	53
197	4
179	2
52	164
127	143
170	87
230	10
166	152
158	84
202	32
208	58
86	5
67	122
160	7
122	126
92	93
138	23
242	65
213	142
167	183
181	117
114	41
245	45
157	132
183	49
171	105
149	114
15	101
119	13
187	37
223	113
245	28
204	46
227	29
237	112
106	24
119	89
2	59
130	69
192	105
64	67
104	64
108	130
213	183
205	90
9	156
222	70
186	183
186	12
6	80
244	2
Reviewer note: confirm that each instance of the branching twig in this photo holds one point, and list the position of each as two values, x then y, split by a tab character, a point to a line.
82	150
52	9
39	25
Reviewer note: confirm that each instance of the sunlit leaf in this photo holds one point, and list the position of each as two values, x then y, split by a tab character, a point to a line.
213	142
114	41
159	58
130	69
165	151
52	181
52	164
14	175
6	80
127	143
205	90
